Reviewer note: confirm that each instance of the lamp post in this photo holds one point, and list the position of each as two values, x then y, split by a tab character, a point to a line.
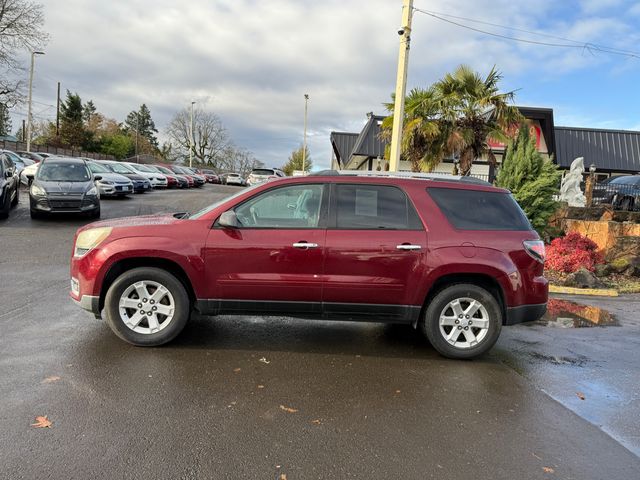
191	137
29	122
588	189
304	140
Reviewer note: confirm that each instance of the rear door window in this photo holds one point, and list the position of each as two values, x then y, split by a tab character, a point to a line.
479	210
374	207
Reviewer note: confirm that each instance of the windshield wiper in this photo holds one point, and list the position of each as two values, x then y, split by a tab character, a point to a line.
181	215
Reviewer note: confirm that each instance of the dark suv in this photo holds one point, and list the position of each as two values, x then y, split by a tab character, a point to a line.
454	257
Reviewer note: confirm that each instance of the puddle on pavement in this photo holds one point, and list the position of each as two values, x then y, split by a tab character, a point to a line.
567	314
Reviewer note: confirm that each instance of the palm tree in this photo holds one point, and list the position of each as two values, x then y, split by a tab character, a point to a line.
455	116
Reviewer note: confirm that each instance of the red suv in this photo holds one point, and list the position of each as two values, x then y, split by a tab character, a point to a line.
454	257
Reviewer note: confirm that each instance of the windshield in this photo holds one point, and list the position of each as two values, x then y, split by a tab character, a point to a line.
120	168
151	168
63	172
165	170
181	170
141	168
220	202
97	168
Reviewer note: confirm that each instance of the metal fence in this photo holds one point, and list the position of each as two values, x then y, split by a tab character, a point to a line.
66	152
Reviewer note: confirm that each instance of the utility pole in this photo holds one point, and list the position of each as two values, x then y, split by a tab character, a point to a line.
304	141
24	130
401	84
29	120
58	113
191	137
137	128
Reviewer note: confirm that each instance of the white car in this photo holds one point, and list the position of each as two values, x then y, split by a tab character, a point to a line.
28	173
157	180
234	179
110	184
260	175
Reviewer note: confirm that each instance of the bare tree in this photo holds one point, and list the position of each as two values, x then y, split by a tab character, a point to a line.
21	23
240	160
210	139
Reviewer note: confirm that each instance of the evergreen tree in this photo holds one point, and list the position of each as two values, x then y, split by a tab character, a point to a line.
72	132
295	162
142	123
5	120
532	179
88	111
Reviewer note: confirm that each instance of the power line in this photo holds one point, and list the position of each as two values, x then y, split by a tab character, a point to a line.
576	44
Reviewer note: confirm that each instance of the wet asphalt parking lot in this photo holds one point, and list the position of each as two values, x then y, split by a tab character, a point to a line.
280	398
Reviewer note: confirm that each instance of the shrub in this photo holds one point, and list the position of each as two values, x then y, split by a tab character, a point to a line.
572	252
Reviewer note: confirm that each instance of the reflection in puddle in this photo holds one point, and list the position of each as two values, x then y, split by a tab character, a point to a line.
567	314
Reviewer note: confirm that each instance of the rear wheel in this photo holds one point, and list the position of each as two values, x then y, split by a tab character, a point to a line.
147	306
6	204
462	321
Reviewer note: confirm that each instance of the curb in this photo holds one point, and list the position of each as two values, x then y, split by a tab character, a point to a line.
600	292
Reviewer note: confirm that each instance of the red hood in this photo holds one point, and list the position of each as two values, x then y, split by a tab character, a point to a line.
164	219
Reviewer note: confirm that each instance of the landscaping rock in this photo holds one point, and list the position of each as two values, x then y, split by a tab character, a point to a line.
583	278
633	270
603	270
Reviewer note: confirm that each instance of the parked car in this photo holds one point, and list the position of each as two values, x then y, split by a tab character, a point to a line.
200	179
21	163
28	173
234	179
9	185
110	184
15	159
36	157
279	249
172	181
622	192
183	182
64	185
210	176
157	180
194	181
260	175
45	154
140	184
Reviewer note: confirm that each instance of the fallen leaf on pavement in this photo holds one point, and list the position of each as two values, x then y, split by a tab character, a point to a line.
397	391
548	469
260	386
264	360
288	409
317	421
283	476
580	395
42	422
236	370
53	378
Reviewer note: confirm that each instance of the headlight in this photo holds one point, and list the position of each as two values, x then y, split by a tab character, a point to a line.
90	239
105	182
38	191
92	192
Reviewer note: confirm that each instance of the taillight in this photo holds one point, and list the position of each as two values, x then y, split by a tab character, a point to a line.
535	248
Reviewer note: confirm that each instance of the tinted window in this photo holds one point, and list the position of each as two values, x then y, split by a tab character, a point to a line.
477	210
119	168
63	172
97	168
262	171
297	206
374	207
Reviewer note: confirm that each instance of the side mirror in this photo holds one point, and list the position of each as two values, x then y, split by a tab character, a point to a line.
229	220
97	178
8	174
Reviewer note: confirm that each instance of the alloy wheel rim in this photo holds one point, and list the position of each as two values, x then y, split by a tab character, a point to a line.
146	307
464	323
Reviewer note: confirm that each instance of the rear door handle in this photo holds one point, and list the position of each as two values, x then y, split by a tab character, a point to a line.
405	246
305	245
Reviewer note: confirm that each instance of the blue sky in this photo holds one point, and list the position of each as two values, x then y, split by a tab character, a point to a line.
251	62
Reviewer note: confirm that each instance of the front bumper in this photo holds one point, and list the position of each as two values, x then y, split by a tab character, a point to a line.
525	313
52	204
89	303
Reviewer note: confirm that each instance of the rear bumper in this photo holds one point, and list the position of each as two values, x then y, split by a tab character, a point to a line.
525	313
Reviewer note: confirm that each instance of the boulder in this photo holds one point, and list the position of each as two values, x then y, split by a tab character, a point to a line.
583	278
603	270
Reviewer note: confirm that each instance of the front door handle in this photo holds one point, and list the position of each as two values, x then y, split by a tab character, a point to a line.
405	246
305	245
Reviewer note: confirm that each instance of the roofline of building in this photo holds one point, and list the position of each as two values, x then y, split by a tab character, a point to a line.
605	130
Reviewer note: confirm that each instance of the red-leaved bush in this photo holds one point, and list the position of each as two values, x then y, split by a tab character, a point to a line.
572	252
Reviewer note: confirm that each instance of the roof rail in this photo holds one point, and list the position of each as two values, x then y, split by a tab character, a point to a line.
442	177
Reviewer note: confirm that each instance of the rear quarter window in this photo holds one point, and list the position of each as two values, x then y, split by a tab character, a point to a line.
480	210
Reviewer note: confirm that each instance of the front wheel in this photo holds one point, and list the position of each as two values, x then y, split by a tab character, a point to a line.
147	306
462	321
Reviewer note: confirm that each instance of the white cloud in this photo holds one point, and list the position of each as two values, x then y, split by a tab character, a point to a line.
251	62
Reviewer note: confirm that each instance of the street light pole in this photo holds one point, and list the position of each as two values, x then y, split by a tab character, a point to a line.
191	138
29	120
304	141
401	85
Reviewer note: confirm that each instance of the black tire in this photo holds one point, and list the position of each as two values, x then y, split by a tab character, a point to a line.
627	204
36	215
6	205
182	307
430	324
95	214
17	197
